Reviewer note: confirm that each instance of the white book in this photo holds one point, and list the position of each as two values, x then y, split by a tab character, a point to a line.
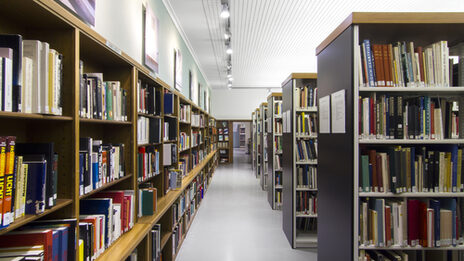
27	85
395	224
116	221
57	87
51	81
7	85
430	227
44	66
32	49
365	239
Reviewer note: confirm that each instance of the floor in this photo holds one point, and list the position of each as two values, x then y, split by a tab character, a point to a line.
236	223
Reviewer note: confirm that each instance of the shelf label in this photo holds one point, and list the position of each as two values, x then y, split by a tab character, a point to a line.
324	114
338	111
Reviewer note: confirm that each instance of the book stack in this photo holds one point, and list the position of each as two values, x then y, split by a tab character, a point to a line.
170	129
365	255
184	141
402	64
32	76
99	163
156	242
102	100
278	127
41	240
306	97
306	150
278	144
278	109
147	200
28	178
306	203
401	169
104	219
278	198
184	164
148	130
411	222
148	99
409	117
196	138
306	177
148	163
195	120
184	113
306	124
277	163
278	179
169	154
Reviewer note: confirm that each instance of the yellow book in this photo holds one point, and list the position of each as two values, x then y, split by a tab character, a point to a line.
81	250
303	122
18	187
24	194
448	172
51	79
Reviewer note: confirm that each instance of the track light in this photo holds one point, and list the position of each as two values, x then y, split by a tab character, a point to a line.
231	79
225	11
226	35
229	50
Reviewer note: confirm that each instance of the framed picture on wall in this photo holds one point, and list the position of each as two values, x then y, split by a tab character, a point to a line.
198	95
150	40
190	85
84	9
205	96
177	69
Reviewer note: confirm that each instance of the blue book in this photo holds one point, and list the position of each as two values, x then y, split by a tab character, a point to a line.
435	205
379	206
81	173
56	245
454	170
68	229
36	177
99	206
168	103
95	171
450	204
370	67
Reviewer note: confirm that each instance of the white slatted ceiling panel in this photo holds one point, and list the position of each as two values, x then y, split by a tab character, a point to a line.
272	38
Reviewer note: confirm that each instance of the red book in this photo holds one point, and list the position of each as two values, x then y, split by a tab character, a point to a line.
129	208
421	62
142	152
2	175
118	198
378	62
422	224
372	117
373	162
413	222
93	221
388	234
30	237
9	178
386	65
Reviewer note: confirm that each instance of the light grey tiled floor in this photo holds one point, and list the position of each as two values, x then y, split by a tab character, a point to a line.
236	223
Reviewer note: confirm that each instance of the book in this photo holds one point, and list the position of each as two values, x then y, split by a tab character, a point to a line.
31	237
36	183
14	41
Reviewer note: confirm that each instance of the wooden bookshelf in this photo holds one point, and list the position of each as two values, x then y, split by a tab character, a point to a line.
47	21
298	235
340	197
226	142
274	137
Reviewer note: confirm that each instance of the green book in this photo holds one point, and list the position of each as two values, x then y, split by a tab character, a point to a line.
147	202
365	173
109	100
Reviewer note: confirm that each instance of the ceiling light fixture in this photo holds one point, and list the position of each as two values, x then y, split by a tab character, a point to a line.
229	50
225	11
226	35
231	79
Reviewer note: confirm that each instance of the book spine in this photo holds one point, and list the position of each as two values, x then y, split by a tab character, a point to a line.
9	177
2	178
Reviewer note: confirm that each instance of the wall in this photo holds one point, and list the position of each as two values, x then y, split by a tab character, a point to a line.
237	103
120	22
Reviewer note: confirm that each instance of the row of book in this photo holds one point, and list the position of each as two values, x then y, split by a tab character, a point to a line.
278	178
277	163
155	235
400	169
223	137
197	157
184	141
223	131
306	124
148	163
306	203
168	103
306	97
170	129
408	117
99	163
401	64
223	145
147	200
198	120
306	177
28	178
173	179
411	222
99	99
278	129
278	108
169	154
278	144
306	150
184	165
184	113
31	76
401	255
103	219
278	197
303	225
148	130
148	99
196	138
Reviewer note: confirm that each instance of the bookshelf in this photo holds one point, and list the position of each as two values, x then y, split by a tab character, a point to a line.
341	67
77	42
299	160
254	137
274	150
242	135
263	123
225	141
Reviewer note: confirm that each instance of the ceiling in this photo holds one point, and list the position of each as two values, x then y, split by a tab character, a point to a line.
272	38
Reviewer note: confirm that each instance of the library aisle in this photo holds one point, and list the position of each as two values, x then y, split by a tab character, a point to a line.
235	221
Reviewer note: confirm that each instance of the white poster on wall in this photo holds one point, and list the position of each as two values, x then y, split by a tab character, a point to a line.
151	57
338	112
324	114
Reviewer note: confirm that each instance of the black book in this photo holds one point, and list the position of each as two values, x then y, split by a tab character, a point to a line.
436	170
155	130
157	102
85	147
399	117
36	180
84	234
46	149
151	100
124	104
15	42
448	120
392	167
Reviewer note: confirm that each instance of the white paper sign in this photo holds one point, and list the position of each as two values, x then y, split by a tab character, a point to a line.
324	114
286	121
338	112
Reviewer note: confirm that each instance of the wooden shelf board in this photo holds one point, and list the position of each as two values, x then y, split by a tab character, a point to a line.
149	144
451	90
165	239
407	141
169	141
412	194
105	186
97	121
148	179
184	122
303	136
185	150
170	116
60	203
33	116
149	115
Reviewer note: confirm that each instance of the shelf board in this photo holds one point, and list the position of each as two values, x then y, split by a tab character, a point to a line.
184	122
362	247
148	179
306	215
184	150
60	203
97	121
105	186
304	136
406	141
170	116
450	90
412	194
149	115
279	187
125	244
309	109
305	189
149	144
33	116
169	141
279	170
309	162
306	239
165	239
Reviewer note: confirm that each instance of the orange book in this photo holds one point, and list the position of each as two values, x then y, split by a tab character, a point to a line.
378	61
391	68
386	65
421	63
9	178
388	237
93	221
373	162
2	175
